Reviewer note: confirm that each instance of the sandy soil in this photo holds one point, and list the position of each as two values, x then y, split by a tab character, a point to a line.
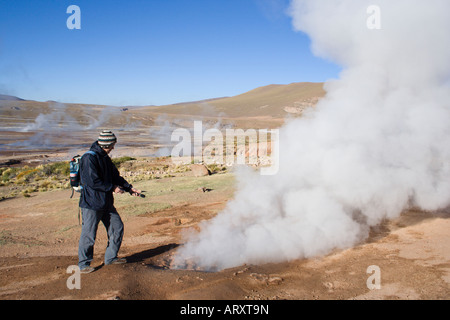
39	240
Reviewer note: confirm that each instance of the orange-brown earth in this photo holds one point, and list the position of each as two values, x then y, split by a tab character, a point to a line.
39	237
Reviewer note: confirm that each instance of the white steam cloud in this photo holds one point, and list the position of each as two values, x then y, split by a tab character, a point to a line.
48	127
377	144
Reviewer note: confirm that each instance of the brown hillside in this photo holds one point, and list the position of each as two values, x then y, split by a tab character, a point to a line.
269	101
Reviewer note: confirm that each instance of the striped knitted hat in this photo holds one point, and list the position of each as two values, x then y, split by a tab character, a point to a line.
106	138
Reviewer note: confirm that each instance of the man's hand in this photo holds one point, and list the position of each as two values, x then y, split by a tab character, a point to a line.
118	190
135	192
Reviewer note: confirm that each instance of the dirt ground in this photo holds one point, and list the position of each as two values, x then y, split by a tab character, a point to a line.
39	234
39	241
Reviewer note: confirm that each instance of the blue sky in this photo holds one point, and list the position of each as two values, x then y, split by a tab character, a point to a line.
144	52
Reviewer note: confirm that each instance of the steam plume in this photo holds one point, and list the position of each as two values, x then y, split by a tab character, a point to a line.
377	144
59	123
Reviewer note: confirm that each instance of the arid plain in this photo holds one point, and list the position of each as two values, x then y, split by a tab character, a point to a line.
39	227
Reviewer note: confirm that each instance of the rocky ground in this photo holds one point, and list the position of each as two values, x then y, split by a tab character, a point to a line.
39	238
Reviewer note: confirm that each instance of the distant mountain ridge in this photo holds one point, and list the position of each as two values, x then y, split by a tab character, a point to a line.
266	106
6	97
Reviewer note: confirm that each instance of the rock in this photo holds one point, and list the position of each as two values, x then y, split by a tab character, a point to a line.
204	189
259	277
199	170
266	279
275	280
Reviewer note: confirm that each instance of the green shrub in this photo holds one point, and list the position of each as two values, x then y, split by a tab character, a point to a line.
9	174
57	168
119	161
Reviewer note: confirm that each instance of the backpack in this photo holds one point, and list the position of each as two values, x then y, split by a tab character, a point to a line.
74	169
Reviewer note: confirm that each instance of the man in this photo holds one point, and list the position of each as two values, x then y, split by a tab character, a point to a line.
100	179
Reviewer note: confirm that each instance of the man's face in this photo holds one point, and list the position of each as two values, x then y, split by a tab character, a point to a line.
110	148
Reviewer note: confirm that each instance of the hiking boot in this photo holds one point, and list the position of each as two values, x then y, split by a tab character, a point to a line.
86	270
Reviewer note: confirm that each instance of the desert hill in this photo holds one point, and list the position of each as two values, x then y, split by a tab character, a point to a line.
274	101
8	97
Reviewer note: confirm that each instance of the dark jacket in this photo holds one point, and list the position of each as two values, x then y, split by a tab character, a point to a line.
98	177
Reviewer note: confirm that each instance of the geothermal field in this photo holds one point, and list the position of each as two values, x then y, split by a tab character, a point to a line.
248	250
335	191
